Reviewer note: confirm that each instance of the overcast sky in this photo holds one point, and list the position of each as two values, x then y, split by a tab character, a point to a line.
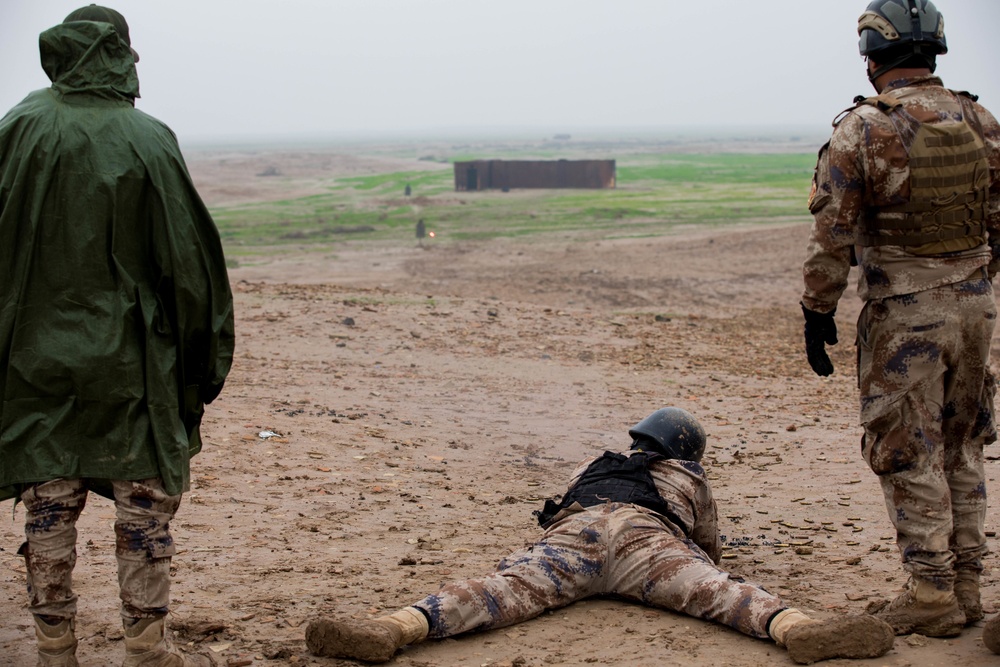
220	69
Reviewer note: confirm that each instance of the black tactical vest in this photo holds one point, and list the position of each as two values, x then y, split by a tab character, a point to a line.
614	478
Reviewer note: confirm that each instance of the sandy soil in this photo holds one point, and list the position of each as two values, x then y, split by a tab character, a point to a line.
426	400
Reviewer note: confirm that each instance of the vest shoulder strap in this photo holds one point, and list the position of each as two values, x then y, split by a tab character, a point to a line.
966	94
884	102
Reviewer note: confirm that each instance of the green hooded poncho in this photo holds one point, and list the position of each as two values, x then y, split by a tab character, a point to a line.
116	317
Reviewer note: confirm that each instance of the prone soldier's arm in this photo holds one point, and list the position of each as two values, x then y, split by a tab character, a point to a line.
706	524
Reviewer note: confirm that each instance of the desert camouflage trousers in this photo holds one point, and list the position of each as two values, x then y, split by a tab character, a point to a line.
927	408
143	545
613	549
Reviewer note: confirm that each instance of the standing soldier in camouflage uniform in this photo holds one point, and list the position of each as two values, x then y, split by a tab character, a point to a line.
116	327
641	525
909	185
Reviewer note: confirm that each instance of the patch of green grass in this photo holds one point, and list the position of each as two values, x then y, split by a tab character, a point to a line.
655	194
423	181
778	170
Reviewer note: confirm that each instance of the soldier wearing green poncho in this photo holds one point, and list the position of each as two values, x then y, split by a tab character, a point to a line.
116	328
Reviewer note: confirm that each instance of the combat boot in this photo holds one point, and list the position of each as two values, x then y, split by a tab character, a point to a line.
809	640
924	609
56	643
372	641
991	634
967	592
147	645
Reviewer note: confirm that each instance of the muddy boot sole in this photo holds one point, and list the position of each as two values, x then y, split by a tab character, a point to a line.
358	640
849	637
991	634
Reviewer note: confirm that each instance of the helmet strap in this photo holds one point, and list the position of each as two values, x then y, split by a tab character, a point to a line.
931	63
882	69
645	444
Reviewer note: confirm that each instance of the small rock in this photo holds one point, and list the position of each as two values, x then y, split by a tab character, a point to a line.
278	654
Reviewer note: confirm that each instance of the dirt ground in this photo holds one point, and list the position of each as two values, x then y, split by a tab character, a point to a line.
395	413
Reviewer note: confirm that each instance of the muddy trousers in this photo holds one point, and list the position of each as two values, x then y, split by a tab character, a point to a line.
613	549
927	407
143	546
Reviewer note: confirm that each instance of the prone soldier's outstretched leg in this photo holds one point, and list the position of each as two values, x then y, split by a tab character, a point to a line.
658	568
557	570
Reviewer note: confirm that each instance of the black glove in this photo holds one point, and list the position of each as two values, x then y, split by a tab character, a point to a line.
821	330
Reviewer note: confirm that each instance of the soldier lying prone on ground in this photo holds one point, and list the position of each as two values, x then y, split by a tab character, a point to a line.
640	525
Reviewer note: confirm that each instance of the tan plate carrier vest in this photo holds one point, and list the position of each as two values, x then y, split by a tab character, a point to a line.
949	186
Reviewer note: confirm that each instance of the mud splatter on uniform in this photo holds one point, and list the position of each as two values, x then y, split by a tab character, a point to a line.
614	549
926	391
143	547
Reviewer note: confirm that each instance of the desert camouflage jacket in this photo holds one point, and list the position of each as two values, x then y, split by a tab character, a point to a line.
684	486
864	166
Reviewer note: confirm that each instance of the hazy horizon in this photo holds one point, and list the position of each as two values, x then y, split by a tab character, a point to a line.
576	135
228	70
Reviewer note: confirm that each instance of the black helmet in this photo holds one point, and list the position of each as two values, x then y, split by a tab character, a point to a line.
673	432
893	31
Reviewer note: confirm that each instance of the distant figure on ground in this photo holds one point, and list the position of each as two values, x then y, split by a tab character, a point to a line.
116	328
641	525
407	191
909	185
421	231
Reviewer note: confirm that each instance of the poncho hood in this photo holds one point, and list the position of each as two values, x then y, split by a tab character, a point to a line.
89	57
